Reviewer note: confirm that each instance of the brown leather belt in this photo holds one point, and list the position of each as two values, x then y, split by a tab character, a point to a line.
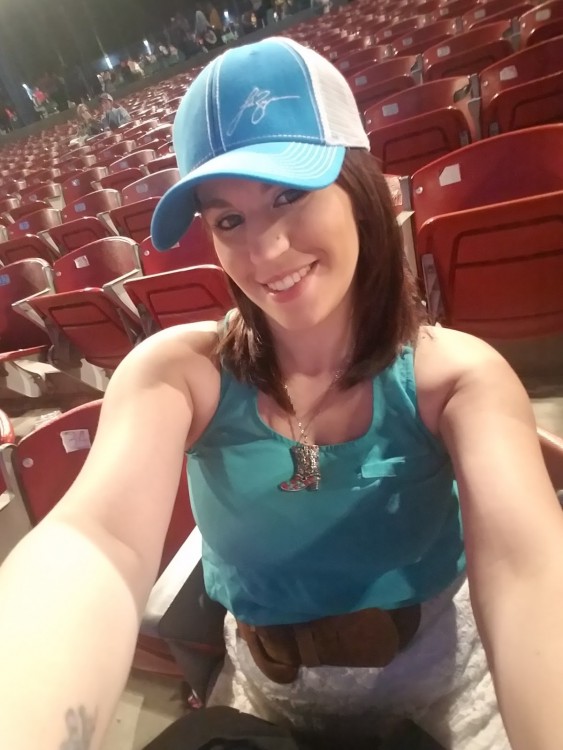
368	638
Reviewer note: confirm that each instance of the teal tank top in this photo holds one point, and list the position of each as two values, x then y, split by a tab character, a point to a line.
384	529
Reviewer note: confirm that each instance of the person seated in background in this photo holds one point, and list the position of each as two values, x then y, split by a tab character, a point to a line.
88	125
114	114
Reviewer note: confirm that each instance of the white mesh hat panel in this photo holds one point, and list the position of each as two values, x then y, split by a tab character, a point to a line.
340	117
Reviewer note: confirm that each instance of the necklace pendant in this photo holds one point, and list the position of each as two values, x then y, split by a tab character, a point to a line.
307	474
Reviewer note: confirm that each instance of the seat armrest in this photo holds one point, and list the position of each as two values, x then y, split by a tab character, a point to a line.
116	290
44	235
7	469
24	307
105	218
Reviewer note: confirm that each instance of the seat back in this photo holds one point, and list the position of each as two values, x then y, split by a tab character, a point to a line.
119	180
382	79
487	172
25	246
415	126
116	150
187	295
8	204
92	204
18	281
25	209
34	223
134	220
543	22
81	184
493	10
419	39
134	159
195	248
163	162
96	264
161	132
467	53
396	30
49	459
540	101
359	59
151	186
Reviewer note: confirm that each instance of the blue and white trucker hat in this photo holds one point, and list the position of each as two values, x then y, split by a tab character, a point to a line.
273	111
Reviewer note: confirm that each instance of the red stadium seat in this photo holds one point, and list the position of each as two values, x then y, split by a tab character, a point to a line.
26	246
51	193
19	281
360	59
416	41
25	209
115	151
44	465
411	128
195	248
187	295
163	162
482	12
398	29
35	222
119	180
454	8
467	53
161	133
7	205
490	235
524	89
80	223
88	308
150	186
374	83
543	22
81	184
134	159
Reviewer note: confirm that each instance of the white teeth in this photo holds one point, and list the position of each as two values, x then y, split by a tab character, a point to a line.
288	281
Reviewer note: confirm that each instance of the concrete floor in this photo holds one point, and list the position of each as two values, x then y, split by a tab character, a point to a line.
149	704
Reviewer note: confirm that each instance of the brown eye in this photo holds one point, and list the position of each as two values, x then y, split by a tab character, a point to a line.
228	222
289	196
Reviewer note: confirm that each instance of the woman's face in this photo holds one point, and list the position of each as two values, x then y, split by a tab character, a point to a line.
293	253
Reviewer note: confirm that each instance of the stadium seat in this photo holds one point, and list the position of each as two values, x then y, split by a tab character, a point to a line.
162	162
81	184
195	248
415	126
134	159
19	281
395	30
543	22
115	151
34	223
26	246
150	186
467	53
80	221
89	307
416	41
523	89
187	295
42	467
482	12
360	59
489	234
161	132
118	180
50	193
7	205
25	209
388	77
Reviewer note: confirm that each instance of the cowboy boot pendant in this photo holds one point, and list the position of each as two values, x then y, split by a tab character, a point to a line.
307	475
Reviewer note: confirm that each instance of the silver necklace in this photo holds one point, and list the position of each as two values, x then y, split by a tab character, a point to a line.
305	455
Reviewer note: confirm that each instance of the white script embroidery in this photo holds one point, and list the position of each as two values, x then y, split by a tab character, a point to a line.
260	99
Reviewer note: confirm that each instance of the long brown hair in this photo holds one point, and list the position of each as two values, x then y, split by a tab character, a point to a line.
387	311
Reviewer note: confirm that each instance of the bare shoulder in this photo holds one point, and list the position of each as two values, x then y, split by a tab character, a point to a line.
183	357
445	360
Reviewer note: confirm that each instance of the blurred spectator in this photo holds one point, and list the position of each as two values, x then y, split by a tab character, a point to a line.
214	19
204	30
259	8
87	123
114	114
135	68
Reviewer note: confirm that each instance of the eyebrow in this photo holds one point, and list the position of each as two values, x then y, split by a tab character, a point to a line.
222	203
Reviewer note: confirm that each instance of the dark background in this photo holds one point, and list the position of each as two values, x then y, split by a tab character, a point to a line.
41	36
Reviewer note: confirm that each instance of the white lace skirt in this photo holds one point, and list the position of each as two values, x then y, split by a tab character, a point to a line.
441	681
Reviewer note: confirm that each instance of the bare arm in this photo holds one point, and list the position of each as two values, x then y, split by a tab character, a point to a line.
514	540
72	592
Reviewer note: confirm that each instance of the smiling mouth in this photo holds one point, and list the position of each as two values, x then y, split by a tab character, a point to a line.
289	281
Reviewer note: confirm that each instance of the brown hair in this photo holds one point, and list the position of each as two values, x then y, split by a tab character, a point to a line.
387	311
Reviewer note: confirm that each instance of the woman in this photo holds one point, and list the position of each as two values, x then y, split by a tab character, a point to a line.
324	424
88	125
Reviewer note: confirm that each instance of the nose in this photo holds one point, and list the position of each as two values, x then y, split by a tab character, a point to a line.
267	243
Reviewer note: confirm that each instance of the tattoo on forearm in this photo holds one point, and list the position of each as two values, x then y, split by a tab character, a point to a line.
80	728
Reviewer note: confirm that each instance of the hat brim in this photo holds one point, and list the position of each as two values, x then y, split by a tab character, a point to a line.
305	166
